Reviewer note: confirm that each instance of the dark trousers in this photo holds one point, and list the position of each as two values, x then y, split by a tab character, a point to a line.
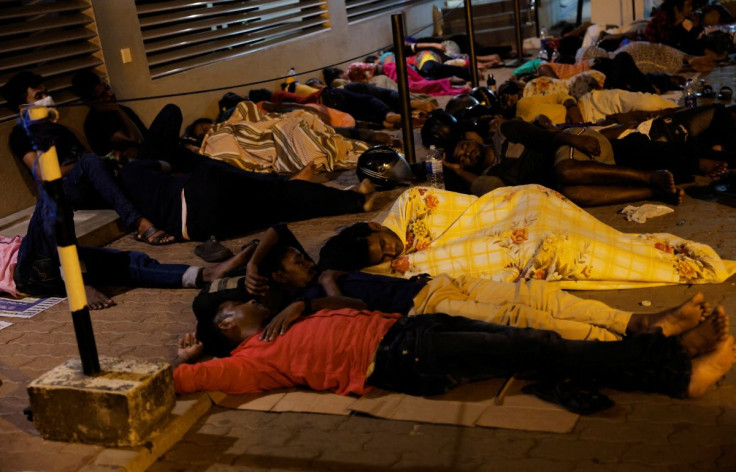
37	272
429	354
702	128
162	137
361	106
434	70
225	201
387	96
622	73
91	184
637	151
161	141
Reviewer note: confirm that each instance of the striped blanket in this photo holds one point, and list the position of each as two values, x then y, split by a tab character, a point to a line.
278	142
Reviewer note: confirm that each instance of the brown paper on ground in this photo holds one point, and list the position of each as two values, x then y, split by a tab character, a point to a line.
303	401
469	405
248	401
462	406
528	413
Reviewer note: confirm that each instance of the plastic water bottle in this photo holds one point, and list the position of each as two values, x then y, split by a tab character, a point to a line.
688	94
435	175
555	56
491	83
543	37
289	84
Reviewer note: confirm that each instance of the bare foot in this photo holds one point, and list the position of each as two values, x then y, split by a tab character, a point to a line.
457	81
365	187
307	172
712	168
422	105
663	186
704	337
97	300
708	368
384	138
393	118
673	321
369	201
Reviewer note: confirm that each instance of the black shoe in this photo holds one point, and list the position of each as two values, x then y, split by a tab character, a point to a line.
213	251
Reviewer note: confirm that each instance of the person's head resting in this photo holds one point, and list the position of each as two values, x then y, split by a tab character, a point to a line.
331	74
470	154
677	10
260	95
90	87
718	45
509	94
360	245
199	128
223	325
23	88
288	266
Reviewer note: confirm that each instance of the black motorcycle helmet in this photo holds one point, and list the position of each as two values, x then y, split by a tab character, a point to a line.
440	129
478	119
384	166
485	96
459	103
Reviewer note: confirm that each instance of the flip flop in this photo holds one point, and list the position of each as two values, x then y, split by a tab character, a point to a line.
160	240
570	396
725	94
212	250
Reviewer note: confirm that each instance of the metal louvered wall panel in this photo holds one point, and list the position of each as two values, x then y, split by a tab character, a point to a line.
361	9
53	38
179	35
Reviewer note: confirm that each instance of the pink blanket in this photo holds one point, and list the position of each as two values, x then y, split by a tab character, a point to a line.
8	259
418	84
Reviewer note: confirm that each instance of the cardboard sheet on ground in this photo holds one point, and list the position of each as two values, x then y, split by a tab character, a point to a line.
469	405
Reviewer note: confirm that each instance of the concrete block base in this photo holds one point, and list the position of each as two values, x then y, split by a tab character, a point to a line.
120	406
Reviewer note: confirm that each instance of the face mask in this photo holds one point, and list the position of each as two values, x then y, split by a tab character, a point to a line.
46	101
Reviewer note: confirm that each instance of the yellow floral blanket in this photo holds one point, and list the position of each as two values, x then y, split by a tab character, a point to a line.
531	232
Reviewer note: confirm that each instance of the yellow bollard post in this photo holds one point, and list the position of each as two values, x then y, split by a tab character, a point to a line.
66	241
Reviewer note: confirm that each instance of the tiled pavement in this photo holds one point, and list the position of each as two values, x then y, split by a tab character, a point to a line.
642	432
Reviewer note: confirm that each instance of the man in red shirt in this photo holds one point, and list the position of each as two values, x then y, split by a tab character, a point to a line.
348	351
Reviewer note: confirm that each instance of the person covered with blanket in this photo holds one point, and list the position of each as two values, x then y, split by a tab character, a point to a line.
517	233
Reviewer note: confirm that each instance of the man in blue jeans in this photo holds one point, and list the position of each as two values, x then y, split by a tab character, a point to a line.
89	182
37	271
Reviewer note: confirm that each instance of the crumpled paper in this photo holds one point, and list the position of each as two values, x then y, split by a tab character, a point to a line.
640	214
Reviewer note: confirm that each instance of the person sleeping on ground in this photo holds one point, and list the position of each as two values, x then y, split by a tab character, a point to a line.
280	272
517	233
349	351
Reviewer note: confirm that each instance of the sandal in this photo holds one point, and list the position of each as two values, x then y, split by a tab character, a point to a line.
725	94
149	237
570	396
212	250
